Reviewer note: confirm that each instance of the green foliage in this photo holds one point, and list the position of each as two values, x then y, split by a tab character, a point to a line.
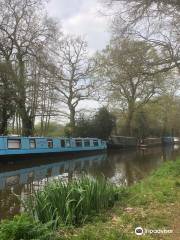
72	203
159	117
141	127
104	122
24	227
54	130
84	128
125	64
147	204
162	116
100	126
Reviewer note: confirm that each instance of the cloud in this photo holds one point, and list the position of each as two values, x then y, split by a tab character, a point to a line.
82	17
64	8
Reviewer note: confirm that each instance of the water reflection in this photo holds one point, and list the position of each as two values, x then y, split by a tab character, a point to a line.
121	167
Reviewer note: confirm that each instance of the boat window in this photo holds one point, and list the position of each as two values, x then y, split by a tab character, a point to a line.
50	143
32	143
87	143
103	142
95	142
14	143
78	143
68	143
62	143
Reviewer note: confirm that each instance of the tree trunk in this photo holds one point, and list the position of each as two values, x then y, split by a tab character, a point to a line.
27	126
4	122
6	101
72	119
129	119
27	119
3	130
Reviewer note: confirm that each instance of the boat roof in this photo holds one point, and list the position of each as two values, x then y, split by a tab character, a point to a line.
42	137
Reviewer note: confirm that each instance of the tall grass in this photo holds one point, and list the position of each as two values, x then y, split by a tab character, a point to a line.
72	203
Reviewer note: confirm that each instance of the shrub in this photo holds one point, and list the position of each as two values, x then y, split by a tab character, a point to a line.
24	227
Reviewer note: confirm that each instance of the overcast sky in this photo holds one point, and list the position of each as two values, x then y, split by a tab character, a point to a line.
85	18
82	17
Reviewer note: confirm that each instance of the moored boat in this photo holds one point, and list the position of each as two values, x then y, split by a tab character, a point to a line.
18	146
122	142
150	142
167	140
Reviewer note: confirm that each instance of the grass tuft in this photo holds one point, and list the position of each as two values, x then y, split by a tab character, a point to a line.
72	203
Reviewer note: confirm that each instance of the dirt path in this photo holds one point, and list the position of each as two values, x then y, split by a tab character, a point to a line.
176	223
176	228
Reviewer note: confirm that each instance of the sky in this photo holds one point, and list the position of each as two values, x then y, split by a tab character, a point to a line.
82	17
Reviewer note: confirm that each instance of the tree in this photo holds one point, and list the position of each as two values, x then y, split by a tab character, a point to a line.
166	107
7	101
124	69
141	125
156	22
24	31
100	125
83	128
142	6
74	83
54	130
104	123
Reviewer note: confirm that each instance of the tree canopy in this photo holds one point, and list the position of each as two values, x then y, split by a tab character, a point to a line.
127	74
100	125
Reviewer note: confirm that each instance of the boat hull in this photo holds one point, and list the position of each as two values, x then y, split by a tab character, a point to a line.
121	142
119	146
61	155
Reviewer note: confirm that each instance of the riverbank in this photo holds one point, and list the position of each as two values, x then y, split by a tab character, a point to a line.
154	204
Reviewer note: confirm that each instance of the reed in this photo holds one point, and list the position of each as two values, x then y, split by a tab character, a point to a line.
73	202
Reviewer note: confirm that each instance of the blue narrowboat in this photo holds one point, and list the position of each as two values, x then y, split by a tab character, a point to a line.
17	146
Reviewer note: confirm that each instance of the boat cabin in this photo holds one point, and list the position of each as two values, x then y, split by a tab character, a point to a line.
29	145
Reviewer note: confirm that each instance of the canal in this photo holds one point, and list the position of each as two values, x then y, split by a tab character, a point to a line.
121	167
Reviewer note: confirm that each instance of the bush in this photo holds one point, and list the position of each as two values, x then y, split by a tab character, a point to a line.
24	227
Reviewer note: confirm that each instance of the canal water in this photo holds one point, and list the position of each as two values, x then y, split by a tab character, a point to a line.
121	167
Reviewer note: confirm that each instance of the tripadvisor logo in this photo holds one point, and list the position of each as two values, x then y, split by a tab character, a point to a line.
139	231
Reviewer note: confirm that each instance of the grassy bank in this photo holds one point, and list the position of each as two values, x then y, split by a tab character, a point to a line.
154	203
